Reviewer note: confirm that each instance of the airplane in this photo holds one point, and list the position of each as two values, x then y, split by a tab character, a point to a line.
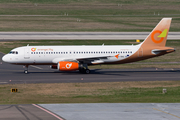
72	58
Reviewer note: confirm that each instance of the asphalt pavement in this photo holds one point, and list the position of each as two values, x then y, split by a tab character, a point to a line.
11	74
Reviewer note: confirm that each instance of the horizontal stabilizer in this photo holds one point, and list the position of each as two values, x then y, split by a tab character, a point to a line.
166	49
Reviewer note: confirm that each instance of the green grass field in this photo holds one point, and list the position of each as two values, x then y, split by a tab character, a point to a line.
112	92
94	15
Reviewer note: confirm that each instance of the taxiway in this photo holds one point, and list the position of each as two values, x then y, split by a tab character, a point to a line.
14	74
5	36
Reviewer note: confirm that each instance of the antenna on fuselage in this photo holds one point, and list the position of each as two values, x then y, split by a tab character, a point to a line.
27	44
103	44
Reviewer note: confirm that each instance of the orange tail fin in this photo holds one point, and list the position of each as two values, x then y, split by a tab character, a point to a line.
159	34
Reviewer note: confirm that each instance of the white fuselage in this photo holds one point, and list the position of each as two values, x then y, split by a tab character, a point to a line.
53	54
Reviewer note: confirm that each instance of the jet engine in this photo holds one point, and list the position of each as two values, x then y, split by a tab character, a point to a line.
71	66
67	66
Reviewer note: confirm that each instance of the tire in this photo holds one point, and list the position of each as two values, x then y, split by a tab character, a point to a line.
84	71
87	71
26	72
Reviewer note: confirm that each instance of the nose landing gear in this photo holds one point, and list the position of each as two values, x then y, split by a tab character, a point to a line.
26	69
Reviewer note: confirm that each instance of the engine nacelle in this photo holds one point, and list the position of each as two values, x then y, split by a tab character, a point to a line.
68	66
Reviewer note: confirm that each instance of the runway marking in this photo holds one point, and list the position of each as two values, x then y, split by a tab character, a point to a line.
166	112
36	67
47	111
3	82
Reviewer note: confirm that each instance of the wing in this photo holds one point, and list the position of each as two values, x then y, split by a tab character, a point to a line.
86	60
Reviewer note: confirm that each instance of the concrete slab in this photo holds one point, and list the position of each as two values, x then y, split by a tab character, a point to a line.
5	36
116	111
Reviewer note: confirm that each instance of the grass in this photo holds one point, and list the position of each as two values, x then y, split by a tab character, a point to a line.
99	15
87	23
104	92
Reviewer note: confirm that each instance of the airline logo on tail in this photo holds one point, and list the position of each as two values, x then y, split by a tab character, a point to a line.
162	35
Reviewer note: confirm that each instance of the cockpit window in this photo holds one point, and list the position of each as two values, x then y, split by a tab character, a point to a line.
13	52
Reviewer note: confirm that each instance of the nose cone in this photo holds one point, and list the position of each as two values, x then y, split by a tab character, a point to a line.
4	58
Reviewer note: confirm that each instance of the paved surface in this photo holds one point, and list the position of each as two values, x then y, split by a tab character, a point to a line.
116	111
92	111
4	36
43	74
24	112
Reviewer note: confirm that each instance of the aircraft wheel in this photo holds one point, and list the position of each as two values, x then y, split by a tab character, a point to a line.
26	72
87	71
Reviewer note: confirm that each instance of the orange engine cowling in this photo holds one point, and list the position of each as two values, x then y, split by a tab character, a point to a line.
68	66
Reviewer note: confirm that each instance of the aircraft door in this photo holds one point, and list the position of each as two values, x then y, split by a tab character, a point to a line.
26	53
140	52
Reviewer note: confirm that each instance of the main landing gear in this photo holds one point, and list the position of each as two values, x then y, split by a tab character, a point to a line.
84	69
26	69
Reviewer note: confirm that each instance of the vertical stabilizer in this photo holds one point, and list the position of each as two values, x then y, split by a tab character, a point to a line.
159	34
